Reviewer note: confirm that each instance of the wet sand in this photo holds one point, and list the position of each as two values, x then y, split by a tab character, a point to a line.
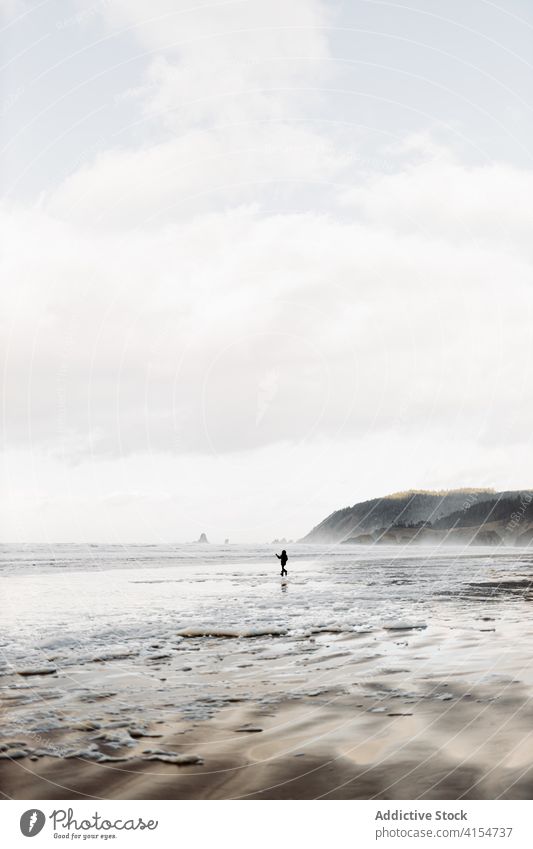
384	713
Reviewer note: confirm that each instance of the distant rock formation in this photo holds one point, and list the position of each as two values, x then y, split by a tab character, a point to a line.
461	517
226	541
277	541
203	538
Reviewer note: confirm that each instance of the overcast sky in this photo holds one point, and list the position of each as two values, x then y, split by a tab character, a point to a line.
260	260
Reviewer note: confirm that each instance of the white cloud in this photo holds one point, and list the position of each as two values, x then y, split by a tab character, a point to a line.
227	96
194	173
217	29
229	62
160	339
443	198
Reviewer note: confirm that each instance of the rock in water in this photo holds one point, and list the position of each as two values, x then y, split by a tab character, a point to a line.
15	753
249	729
37	670
203	538
173	758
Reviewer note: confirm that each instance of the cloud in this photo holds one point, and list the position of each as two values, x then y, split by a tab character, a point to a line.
214	30
226	106
166	338
195	173
444	198
230	62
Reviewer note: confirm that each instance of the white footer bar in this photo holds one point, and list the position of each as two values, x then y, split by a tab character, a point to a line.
268	824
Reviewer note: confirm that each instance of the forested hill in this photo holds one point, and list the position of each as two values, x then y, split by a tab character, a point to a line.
426	516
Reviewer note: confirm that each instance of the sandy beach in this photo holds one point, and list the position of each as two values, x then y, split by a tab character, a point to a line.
319	689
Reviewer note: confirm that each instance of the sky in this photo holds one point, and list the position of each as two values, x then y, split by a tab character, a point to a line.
260	261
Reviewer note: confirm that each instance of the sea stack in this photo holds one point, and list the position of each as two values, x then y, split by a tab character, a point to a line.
203	538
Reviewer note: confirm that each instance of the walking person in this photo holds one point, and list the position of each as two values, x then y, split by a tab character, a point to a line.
283	557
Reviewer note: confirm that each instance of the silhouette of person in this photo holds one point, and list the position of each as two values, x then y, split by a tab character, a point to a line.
283	557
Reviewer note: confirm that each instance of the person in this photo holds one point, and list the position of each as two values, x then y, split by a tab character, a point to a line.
283	557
